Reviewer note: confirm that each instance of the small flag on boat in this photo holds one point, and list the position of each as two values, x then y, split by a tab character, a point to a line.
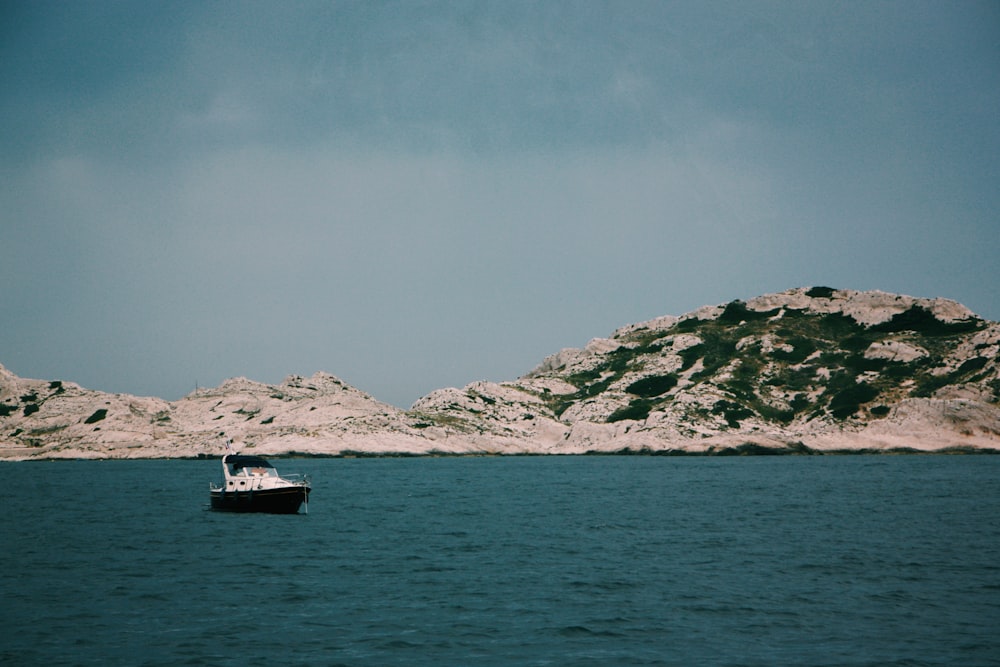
229	445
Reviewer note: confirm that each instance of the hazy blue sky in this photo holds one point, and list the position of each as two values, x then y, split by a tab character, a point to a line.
412	195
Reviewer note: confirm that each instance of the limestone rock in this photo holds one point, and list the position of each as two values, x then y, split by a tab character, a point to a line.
808	369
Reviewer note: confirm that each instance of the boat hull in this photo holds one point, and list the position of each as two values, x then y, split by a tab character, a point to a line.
285	500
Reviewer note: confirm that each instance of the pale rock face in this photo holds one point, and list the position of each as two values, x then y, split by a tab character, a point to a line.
311	415
767	344
557	361
607	397
657	324
542	385
705	313
601	346
895	351
569	357
593	410
684	341
868	308
929	424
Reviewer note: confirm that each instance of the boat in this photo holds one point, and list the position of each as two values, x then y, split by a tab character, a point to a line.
251	484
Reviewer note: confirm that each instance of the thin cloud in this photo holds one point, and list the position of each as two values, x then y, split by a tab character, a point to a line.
413	196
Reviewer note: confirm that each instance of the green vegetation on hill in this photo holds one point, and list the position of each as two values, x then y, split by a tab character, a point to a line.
777	366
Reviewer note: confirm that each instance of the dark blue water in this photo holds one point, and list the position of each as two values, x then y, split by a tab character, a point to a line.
855	560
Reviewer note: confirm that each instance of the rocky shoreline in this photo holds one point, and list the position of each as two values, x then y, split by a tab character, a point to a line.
807	371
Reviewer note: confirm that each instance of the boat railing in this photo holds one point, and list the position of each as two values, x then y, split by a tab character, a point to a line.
297	478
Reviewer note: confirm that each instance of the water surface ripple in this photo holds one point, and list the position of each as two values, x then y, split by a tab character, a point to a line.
850	560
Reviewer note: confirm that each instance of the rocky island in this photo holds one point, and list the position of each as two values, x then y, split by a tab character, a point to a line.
809	370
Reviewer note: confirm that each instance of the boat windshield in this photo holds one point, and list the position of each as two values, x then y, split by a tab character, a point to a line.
250	465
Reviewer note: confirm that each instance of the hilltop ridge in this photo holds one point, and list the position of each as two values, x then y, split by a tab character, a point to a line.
805	370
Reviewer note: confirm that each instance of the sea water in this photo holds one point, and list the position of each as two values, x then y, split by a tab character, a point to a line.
826	560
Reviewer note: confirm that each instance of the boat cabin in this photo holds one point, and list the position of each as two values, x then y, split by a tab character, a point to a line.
248	466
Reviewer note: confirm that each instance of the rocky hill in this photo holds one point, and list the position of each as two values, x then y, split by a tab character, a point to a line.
807	370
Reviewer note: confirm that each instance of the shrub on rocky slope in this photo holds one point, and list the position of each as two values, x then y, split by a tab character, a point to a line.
811	369
791	367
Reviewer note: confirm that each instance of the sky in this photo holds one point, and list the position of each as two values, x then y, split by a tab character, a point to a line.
416	195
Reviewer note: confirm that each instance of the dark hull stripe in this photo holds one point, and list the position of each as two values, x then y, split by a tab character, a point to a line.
272	501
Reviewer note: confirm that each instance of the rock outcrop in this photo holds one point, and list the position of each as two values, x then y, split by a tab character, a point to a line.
807	370
316	415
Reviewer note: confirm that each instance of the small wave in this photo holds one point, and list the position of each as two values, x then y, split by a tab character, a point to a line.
399	644
583	631
614	585
435	568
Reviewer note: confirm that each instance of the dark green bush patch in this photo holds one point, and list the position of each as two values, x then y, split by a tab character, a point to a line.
593	389
858	343
802	347
772	413
732	412
972	365
928	384
859	363
582	378
795	379
898	370
799	402
690	355
619	359
847	402
820	292
689	325
31	408
995	386
838	326
718	351
637	409
920	320
737	311
654	385
96	417
742	389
